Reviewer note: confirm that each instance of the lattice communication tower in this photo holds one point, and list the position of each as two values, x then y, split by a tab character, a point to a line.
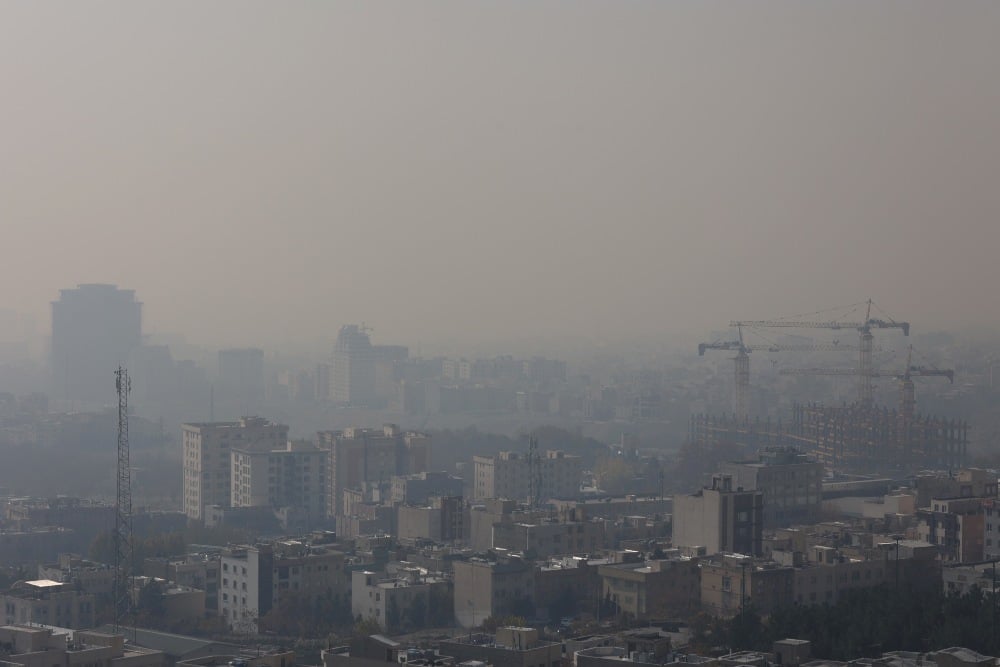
123	510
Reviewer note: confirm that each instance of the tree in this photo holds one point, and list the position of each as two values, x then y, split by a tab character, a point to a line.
364	627
150	607
491	623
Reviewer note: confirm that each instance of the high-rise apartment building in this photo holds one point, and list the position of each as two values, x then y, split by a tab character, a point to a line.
358	455
293	476
352	372
509	475
208	458
94	329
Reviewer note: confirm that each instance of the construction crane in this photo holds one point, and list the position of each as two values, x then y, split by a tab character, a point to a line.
907	400
742	361
866	394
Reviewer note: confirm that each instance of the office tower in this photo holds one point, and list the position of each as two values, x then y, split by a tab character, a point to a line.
352	373
94	329
208	458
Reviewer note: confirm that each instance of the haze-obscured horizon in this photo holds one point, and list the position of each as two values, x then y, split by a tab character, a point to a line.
265	172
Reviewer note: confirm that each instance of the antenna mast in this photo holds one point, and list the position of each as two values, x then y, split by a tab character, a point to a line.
123	509
534	473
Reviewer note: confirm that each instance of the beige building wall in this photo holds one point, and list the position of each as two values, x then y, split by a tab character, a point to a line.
207	463
484	589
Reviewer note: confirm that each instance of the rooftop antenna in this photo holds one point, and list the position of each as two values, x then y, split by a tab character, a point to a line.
123	510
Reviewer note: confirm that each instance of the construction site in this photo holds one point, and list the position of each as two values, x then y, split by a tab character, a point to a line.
852	437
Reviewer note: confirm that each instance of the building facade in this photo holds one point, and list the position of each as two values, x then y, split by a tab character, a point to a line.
721	518
46	602
667	588
293	476
358	455
256	578
510	475
208	462
791	483
485	588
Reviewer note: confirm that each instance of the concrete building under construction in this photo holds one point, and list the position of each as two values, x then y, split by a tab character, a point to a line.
851	437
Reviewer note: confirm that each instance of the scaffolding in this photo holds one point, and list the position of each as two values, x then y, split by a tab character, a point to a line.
852	437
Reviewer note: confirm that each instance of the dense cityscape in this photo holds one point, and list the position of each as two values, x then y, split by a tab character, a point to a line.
678	511
499	334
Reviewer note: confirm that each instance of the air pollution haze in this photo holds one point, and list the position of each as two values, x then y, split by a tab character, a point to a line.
263	172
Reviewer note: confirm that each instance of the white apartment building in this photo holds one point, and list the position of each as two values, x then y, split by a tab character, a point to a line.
290	476
208	461
254	579
508	475
392	600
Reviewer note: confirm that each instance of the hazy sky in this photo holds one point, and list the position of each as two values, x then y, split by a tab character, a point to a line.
258	171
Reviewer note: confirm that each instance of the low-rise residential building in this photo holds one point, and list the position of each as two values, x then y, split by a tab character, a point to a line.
395	601
48	602
510	647
441	520
961	579
790	481
509	475
418	488
731	582
84	575
828	574
956	526
493	588
966	483
616	507
567	586
991	529
199	571
668	588
173	603
544	539
256	578
720	518
32	646
273	657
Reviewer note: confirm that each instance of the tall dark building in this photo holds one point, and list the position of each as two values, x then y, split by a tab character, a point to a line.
94	329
